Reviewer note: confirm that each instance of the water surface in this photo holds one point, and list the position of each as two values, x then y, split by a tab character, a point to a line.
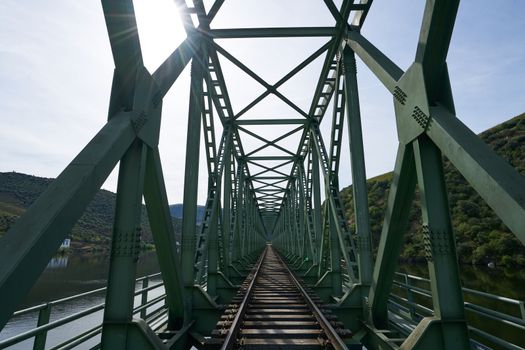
73	274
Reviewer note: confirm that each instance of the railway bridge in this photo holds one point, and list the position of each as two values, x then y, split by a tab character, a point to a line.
272	265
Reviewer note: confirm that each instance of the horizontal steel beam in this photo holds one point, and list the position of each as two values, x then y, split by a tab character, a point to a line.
277	32
270	121
258	158
269	190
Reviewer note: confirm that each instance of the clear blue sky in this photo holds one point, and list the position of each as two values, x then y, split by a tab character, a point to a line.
56	70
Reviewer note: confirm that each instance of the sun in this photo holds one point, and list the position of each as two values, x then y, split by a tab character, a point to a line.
160	30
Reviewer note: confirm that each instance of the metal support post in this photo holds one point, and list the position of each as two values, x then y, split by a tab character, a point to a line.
213	250
335	259
440	246
144	297
43	319
125	248
191	176
226	215
357	159
394	226
316	192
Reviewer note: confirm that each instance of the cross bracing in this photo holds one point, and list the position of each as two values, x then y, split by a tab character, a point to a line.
262	190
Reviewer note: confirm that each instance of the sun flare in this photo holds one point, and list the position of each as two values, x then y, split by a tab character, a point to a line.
160	30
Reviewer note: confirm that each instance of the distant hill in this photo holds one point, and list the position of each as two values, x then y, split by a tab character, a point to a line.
481	237
92	231
176	212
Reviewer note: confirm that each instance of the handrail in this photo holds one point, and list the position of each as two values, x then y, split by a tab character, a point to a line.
412	311
40	329
40	332
468	290
74	297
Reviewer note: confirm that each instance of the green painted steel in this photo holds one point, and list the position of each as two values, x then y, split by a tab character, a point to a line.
164	238
251	198
357	158
125	248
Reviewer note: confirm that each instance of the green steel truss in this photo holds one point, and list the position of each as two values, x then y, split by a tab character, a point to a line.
245	208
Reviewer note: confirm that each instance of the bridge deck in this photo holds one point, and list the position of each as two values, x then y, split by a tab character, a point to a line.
274	311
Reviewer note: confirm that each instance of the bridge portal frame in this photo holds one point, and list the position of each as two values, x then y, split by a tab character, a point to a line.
241	217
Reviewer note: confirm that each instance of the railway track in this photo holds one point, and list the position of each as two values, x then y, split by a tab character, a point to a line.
272	310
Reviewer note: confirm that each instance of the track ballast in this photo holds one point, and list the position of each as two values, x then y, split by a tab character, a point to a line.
272	310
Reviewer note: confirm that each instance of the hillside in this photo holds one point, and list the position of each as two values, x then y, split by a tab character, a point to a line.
481	237
92	231
176	212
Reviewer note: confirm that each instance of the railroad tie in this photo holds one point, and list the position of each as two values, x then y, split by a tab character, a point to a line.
272	312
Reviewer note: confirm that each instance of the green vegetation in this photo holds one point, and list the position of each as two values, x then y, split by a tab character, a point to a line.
176	212
481	237
92	231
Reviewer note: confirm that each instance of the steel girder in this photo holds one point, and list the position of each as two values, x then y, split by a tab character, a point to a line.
246	209
133	123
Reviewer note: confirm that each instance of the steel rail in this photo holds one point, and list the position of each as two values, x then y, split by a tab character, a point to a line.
231	337
335	339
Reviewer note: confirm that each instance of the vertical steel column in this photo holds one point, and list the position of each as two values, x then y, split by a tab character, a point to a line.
251	232
255	226
236	251
164	237
298	224
447	295
125	248
241	207
288	229
306	253
335	258
191	177
301	216
285	237
213	247
292	225
357	159
284	228
316	193
233	205
395	225
248	222
308	211
324	257
293	220
235	216
226	214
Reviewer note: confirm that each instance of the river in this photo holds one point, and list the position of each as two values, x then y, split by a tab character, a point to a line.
69	275
73	274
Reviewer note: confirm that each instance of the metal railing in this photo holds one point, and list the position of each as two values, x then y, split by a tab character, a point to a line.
156	318
411	299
